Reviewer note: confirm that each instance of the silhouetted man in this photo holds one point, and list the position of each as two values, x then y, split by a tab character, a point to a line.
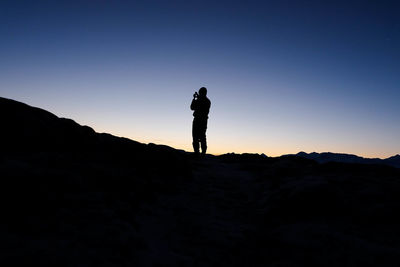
201	106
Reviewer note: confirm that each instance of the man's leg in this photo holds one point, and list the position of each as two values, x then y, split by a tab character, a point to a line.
203	145
202	136
195	136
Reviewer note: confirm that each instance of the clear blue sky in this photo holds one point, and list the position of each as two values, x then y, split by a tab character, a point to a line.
283	76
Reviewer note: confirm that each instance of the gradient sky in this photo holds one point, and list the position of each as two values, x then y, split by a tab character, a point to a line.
282	76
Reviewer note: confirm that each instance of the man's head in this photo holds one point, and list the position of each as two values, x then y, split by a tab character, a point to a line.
203	91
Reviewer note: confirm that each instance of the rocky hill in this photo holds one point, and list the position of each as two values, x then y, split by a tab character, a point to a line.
74	197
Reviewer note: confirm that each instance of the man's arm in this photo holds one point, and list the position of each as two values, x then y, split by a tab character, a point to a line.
194	104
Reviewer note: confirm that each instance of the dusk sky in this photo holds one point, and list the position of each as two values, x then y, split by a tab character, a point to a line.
282	76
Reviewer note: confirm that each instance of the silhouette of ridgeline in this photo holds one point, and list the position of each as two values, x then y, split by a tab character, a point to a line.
348	158
39	137
26	128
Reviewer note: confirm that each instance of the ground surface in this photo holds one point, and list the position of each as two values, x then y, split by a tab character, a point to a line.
207	221
276	213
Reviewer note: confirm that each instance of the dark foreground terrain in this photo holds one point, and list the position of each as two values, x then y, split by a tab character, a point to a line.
73	197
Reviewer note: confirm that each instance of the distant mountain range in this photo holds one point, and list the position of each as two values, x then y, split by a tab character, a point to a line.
349	158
